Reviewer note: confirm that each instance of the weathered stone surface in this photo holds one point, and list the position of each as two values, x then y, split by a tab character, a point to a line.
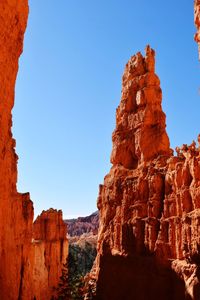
197	22
140	122
20	259
50	250
149	236
16	211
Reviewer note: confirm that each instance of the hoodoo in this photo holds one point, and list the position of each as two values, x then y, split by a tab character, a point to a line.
50	250
140	132
21	260
149	236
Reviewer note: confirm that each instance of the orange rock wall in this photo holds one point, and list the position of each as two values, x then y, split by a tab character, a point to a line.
50	248
18	254
149	236
197	22
16	210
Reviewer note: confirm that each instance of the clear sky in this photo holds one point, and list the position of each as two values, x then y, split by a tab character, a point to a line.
69	86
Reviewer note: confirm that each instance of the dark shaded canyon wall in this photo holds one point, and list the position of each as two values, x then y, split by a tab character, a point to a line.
149	236
21	257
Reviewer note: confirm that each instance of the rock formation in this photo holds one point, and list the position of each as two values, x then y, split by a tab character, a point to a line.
17	254
197	22
16	210
81	225
149	235
50	250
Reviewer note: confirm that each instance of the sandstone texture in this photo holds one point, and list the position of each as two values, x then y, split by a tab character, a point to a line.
50	250
197	22
149	235
21	257
16	210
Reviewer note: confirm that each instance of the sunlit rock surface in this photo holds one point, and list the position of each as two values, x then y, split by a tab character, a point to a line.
50	250
149	235
22	259
197	22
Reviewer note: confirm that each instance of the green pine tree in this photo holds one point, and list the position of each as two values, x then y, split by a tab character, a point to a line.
63	290
78	264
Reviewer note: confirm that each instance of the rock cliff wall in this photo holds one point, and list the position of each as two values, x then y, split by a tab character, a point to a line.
16	210
149	235
17	254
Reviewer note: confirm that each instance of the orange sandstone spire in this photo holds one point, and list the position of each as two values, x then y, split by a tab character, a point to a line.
140	133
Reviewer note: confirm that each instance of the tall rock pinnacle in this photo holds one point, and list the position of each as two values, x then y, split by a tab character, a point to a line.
140	122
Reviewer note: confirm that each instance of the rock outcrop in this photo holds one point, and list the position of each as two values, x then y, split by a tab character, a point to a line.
149	235
16	210
197	22
17	251
140	132
50	250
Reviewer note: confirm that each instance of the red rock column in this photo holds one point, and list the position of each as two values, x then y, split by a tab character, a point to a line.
16	211
140	122
131	198
50	250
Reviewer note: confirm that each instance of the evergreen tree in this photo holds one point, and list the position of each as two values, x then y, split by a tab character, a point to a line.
78	264
63	290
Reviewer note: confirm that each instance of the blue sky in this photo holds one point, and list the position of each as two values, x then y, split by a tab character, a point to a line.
69	86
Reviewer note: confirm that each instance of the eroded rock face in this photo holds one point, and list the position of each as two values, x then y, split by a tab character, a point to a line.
50	249
149	236
19	257
197	22
140	122
16	210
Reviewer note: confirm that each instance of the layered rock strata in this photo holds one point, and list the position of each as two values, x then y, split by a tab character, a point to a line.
149	235
19	256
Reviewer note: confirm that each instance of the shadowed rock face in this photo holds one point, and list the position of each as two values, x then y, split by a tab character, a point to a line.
19	256
149	235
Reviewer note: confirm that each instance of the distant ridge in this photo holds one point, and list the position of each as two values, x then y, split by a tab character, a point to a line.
81	225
